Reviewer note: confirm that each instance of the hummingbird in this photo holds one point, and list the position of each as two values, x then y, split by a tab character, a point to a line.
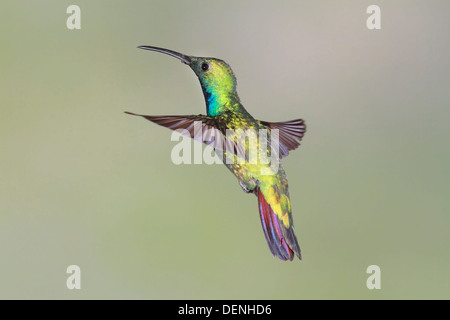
225	112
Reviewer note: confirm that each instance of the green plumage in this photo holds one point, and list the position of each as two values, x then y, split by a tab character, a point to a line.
266	180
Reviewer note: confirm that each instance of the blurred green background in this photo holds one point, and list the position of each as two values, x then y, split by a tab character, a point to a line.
82	183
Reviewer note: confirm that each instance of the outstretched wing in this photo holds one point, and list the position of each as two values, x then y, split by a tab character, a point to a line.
200	128
290	134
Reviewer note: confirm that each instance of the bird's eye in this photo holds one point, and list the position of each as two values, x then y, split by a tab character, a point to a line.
205	66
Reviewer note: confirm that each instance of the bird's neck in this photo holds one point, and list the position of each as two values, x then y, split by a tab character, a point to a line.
219	100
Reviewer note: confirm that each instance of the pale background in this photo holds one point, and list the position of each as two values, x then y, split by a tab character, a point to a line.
82	183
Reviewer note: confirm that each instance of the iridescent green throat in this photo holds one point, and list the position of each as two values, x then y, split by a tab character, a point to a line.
218	101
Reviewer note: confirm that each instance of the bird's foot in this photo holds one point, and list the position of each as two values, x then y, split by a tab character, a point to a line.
248	187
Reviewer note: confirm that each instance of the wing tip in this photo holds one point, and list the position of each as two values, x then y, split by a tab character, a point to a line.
133	114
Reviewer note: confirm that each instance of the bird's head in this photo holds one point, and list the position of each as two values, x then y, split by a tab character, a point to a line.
216	78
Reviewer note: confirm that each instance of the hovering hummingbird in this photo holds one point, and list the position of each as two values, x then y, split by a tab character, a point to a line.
225	112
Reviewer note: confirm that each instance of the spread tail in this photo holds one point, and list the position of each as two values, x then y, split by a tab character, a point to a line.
281	240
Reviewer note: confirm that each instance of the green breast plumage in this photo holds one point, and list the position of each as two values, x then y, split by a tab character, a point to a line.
227	121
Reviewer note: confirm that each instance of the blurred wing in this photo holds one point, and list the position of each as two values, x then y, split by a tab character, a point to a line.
290	134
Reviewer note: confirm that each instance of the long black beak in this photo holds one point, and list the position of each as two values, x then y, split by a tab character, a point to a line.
185	59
